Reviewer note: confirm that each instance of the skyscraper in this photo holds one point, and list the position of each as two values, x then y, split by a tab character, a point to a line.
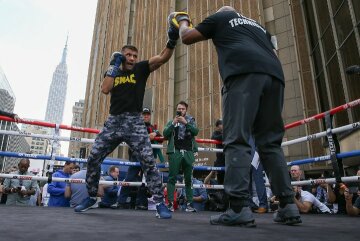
74	147
7	142
57	92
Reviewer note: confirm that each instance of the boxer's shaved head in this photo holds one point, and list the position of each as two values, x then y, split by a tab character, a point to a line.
226	8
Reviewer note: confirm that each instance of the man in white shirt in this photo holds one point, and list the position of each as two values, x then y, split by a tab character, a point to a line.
306	202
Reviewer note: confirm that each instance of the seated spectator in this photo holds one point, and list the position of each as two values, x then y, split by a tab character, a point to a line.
110	192
18	190
296	175
199	197
35	200
321	194
75	169
132	197
57	189
337	198
77	192
307	203
217	199
352	209
211	179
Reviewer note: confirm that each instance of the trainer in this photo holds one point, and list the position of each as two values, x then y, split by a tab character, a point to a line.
252	99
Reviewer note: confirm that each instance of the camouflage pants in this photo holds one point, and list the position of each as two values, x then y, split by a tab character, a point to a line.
129	128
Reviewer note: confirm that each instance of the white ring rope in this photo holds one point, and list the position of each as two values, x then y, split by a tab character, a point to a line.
138	184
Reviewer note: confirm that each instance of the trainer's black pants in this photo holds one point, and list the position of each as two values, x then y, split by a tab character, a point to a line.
252	105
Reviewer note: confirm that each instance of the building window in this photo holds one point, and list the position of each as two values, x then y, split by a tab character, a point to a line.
351	57
343	22
356	7
328	28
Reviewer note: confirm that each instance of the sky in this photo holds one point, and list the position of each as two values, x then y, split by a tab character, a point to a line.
32	38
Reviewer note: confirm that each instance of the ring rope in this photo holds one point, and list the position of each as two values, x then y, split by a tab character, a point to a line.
112	161
207	186
337	130
322	115
96	131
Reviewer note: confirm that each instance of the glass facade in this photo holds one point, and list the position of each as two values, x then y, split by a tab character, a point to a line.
7	142
333	33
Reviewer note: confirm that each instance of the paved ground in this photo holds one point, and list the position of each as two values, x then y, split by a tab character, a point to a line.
52	224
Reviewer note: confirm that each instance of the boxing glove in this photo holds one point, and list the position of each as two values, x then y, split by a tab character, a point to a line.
173	36
116	59
175	18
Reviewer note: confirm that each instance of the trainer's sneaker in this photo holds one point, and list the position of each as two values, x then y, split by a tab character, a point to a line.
288	215
190	208
230	218
170	206
162	211
86	204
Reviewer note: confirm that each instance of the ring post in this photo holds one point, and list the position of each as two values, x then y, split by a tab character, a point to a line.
334	148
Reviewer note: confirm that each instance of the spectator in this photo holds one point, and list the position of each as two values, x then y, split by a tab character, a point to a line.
19	190
57	189
321	194
200	197
76	192
211	178
296	175
220	157
307	203
336	196
352	209
35	199
75	169
153	133
181	132
110	192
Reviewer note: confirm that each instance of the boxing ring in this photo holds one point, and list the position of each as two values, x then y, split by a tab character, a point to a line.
43	223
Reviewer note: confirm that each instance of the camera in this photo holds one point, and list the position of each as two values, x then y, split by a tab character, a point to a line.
178	113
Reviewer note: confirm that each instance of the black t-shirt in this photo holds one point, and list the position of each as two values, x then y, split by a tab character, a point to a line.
183	144
127	95
220	157
243	45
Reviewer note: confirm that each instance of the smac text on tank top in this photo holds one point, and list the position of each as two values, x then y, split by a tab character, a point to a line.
241	20
125	79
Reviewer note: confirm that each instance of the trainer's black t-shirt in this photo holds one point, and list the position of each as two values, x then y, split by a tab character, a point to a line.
243	45
127	95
